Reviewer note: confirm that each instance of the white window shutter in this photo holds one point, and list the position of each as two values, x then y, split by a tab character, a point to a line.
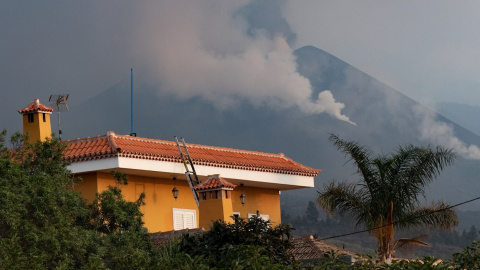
184	219
189	220
178	221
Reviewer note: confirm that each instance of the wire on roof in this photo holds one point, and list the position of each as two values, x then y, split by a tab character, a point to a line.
379	227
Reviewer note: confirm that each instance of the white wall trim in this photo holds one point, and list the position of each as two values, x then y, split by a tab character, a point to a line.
108	164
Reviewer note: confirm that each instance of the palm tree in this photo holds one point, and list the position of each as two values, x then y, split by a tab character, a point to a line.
388	193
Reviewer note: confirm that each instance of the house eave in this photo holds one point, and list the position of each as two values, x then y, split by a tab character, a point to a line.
166	169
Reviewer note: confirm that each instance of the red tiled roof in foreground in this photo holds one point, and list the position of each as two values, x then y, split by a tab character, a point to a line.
214	182
161	238
309	248
36	106
113	145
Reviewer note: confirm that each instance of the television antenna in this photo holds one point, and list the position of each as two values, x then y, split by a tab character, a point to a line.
60	102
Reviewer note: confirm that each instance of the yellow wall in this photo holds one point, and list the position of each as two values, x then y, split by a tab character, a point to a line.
266	201
158	211
159	201
38	130
214	209
88	186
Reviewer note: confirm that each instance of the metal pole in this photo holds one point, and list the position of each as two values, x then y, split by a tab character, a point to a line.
59	129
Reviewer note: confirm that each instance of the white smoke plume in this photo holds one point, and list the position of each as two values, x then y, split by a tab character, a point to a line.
443	134
203	49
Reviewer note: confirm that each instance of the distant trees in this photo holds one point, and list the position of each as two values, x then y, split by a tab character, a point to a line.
387	195
312	213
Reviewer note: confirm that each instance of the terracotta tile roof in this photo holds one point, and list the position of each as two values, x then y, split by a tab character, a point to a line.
214	182
309	248
36	106
113	145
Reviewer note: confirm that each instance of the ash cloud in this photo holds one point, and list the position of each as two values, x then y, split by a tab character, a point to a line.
211	50
443	134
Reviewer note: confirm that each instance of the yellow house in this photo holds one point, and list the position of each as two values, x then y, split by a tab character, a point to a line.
154	167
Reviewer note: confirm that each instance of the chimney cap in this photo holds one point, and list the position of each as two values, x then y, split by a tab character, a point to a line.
36	106
215	182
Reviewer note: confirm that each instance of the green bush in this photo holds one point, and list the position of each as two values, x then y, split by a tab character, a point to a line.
244	241
44	224
469	258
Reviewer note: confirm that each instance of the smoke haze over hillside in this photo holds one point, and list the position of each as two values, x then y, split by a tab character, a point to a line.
443	134
216	56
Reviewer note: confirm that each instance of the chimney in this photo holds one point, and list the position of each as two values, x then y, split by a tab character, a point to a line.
36	121
215	200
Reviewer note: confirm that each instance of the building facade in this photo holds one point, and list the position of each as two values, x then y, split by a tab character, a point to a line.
154	167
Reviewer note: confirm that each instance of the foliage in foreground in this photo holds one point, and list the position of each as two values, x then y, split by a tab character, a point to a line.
469	258
250	257
45	224
241	242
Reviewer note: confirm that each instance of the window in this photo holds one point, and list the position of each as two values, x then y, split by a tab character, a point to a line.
30	117
236	215
44	120
184	219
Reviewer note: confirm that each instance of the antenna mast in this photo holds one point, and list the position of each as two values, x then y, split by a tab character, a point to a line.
60	102
131	103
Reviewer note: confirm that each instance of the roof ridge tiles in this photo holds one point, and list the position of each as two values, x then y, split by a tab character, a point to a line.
228	149
202	146
128	137
111	142
86	139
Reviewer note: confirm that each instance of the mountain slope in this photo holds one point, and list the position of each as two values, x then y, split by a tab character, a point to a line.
461	114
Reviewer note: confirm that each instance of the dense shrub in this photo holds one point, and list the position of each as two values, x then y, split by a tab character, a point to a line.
244	240
45	224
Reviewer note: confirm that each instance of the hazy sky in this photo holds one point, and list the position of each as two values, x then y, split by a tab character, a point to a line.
223	51
429	50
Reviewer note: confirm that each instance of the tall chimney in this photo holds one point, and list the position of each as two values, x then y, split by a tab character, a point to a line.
36	121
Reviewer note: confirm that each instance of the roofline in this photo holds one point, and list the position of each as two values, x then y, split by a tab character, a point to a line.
33	111
119	152
36	109
177	160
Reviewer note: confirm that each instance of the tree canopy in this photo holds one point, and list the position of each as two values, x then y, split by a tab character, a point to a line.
388	194
46	224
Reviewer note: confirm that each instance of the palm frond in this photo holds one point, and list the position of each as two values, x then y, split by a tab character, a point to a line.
360	155
344	197
409	170
407	242
421	166
438	214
